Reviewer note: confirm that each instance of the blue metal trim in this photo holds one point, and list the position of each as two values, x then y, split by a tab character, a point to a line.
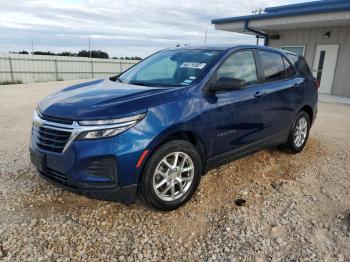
294	12
305	5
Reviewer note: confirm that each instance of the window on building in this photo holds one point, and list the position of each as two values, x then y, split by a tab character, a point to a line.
295	49
320	65
273	67
241	66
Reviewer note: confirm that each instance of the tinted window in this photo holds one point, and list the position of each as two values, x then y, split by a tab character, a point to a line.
289	68
293	58
300	65
241	66
273	66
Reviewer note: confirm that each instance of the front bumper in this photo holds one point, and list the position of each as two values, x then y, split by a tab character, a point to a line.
98	189
124	194
80	167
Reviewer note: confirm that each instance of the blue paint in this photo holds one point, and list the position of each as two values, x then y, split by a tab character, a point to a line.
291	10
221	122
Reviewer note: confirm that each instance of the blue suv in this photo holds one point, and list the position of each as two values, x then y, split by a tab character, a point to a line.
155	129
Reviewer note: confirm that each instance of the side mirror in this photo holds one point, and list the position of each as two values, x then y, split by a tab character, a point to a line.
226	84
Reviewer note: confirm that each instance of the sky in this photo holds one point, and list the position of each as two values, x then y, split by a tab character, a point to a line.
120	27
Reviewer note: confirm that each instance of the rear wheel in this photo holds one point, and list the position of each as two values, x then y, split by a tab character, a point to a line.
171	175
299	134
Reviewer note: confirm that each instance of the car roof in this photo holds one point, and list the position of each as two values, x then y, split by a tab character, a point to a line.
227	47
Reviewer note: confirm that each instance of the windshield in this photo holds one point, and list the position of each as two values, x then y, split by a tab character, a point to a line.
171	68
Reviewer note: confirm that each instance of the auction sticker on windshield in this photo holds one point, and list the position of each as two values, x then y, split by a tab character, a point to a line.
193	65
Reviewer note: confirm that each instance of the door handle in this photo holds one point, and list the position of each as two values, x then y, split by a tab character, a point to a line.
259	94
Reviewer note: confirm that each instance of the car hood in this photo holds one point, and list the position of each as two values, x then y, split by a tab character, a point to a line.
103	99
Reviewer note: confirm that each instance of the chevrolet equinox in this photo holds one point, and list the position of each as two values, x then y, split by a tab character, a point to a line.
155	129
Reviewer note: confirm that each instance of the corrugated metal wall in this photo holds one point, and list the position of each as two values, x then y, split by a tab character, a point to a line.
312	37
39	68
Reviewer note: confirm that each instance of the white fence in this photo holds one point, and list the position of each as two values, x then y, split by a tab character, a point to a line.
40	68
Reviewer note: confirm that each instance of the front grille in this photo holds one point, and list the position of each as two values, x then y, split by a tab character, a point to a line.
56	120
52	140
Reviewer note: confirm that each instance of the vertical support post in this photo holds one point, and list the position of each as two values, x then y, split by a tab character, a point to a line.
56	70
11	70
120	67
258	33
92	69
266	40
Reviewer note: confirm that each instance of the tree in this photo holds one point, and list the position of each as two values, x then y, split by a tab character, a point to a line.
66	54
43	53
82	53
94	54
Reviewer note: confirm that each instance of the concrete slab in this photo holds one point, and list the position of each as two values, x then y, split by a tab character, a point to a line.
333	99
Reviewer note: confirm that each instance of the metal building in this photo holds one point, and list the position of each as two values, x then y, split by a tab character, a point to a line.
319	30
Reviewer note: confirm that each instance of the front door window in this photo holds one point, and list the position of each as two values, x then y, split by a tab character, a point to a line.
240	66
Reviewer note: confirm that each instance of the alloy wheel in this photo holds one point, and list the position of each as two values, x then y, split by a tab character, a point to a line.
300	132
173	176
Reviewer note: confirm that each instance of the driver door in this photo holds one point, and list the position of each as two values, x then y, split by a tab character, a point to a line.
235	119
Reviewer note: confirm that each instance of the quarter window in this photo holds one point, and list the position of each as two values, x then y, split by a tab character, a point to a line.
300	65
240	66
290	72
273	67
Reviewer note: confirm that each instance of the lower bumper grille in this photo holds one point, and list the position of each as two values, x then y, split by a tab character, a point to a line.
104	168
52	139
56	176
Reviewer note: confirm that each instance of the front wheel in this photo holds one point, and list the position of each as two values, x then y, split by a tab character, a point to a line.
299	134
171	175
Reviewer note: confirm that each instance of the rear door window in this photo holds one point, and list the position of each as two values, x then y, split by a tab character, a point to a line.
272	66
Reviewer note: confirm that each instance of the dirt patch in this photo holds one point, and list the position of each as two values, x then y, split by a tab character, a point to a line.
252	178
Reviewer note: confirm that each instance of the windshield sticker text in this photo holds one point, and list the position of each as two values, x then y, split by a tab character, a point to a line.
193	65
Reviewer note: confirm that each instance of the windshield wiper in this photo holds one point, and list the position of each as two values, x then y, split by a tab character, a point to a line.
139	83
143	83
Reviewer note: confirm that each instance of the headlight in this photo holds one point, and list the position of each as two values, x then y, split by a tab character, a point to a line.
123	120
109	127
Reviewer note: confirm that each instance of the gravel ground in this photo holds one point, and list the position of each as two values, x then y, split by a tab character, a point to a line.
298	206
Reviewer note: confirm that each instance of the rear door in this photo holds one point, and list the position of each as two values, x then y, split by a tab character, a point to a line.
235	119
285	94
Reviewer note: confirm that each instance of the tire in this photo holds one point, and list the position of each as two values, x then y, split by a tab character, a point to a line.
293	145
158	176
